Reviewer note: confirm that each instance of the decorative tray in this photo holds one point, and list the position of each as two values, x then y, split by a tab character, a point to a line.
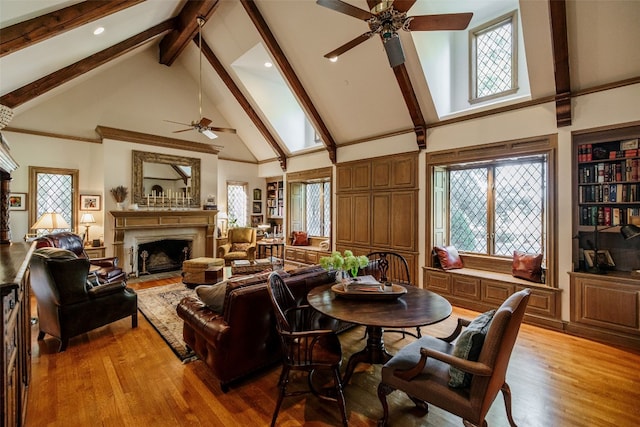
377	294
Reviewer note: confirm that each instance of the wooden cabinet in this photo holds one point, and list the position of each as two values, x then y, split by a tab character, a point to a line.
606	308
377	206
16	332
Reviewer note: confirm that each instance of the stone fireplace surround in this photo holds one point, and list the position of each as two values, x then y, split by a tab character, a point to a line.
132	228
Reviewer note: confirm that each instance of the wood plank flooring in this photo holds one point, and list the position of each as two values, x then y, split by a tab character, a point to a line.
118	376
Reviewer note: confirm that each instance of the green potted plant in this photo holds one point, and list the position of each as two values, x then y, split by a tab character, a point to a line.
346	263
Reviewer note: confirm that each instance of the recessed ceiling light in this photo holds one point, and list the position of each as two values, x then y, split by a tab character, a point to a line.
268	64
98	31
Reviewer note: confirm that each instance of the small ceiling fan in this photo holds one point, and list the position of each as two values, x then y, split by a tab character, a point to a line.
202	125
386	18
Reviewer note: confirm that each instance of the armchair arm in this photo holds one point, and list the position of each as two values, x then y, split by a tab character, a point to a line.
474	368
105	262
223	250
106	289
251	251
461	323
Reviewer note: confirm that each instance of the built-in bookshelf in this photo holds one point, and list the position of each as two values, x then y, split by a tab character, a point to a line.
275	203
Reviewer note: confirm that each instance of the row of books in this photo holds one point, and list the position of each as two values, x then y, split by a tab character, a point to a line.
609	193
624	170
605	215
587	153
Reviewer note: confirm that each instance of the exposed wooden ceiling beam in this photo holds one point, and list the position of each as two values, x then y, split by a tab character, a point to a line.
291	77
244	102
172	45
558	12
68	73
32	31
410	99
155	140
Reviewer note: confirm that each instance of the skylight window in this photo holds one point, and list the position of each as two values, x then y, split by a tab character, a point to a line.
275	99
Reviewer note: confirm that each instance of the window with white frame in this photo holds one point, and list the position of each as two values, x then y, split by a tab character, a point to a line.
494	58
237	201
318	208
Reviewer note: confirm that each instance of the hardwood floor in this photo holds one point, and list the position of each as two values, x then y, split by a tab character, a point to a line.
118	376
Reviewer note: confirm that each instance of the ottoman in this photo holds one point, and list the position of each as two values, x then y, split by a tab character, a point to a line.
202	271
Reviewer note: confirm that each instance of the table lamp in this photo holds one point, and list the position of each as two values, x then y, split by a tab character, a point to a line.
628	231
50	221
87	219
223	218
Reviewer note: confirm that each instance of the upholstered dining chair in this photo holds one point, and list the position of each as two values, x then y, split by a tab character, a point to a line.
241	244
304	347
430	370
393	267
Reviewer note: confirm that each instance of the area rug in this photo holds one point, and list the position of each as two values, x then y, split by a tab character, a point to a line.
158	305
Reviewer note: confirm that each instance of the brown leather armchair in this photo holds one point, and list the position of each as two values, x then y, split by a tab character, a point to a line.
108	270
68	304
241	245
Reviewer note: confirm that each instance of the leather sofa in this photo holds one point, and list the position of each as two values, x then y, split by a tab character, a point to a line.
68	304
107	271
243	339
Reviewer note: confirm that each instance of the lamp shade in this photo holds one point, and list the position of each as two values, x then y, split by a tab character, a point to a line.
630	231
222	215
87	218
50	221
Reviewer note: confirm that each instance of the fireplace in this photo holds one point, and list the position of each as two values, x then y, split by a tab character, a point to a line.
163	255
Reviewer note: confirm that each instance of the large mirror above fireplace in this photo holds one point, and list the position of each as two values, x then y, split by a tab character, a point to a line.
163	175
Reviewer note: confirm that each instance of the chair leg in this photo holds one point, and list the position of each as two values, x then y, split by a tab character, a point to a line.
506	393
134	319
63	344
383	391
41	335
340	396
284	380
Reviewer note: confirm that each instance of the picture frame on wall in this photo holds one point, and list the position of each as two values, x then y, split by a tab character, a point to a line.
257	207
257	194
89	202
604	258
256	220
17	201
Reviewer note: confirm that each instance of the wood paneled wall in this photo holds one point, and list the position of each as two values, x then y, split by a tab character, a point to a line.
377	206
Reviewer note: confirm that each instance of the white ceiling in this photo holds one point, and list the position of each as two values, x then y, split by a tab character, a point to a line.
357	97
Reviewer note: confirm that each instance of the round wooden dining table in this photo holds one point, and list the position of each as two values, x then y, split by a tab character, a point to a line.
417	307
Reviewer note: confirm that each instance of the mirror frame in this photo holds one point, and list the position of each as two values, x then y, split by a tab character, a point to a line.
139	157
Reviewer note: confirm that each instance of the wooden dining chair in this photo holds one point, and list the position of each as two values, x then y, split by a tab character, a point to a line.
390	267
304	347
433	370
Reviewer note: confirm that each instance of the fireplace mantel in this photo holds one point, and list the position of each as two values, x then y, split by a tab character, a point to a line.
129	220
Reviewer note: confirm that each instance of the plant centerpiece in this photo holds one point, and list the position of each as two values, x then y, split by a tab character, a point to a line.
119	194
346	262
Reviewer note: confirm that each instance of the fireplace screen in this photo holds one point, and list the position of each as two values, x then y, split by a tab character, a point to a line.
163	255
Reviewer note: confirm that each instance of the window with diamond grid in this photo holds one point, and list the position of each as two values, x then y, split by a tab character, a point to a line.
237	203
54	194
498	208
494	58
318	211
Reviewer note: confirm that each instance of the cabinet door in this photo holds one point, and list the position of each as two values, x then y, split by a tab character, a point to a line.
404	220
353	176
394	172
381	219
361	219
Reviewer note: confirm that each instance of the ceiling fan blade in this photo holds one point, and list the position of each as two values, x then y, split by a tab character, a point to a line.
450	21
178	123
394	50
346	8
183	130
350	45
216	129
204	122
403	5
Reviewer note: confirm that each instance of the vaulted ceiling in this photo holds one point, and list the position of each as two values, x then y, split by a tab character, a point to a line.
147	59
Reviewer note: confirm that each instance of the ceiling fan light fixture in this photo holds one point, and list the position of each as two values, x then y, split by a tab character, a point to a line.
208	133
333	59
395	53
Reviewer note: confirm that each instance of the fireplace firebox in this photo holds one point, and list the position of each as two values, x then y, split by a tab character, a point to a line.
163	255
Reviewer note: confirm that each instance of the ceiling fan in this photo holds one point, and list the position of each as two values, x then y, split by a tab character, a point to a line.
386	18
202	125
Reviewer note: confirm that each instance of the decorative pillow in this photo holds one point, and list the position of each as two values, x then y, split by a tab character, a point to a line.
527	266
240	247
299	238
324	245
468	346
448	257
213	295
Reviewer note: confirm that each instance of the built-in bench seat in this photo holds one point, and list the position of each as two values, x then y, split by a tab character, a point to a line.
479	289
310	254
